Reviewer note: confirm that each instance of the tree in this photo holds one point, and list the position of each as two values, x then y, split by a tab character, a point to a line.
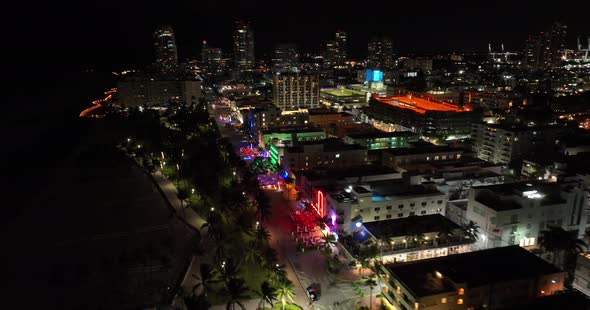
235	290
261	236
194	302
285	292
445	232
228	270
267	293
330	240
205	279
371	283
564	246
183	195
472	230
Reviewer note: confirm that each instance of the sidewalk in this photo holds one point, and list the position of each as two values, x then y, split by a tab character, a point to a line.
170	193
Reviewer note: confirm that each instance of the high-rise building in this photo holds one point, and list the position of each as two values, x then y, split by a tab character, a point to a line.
244	46
341	43
211	59
545	49
555	45
335	51
166	51
292	92
286	56
380	53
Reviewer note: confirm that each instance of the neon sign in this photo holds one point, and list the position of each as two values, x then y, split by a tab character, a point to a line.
318	206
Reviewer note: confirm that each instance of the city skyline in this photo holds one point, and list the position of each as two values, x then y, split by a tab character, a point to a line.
430	28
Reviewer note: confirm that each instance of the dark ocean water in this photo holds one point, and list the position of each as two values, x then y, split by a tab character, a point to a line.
39	125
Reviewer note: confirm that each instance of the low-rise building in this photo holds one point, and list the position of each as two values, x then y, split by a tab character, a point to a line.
323	153
343	97
381	200
399	156
516	213
329	119
285	136
415	238
582	274
474	280
382	140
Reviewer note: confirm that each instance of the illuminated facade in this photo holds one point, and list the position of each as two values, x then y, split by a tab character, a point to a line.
382	140
335	51
383	200
582	274
158	90
166	50
516	213
292	92
505	145
429	118
244	46
325	153
472	281
211	59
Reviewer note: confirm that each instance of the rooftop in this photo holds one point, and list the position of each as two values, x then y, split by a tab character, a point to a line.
475	269
348	172
416	224
329	145
500	197
342	92
294	129
423	150
420	105
381	134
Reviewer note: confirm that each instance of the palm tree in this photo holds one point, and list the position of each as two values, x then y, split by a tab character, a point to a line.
472	230
252	254
371	283
285	292
205	279
235	290
267	293
261	236
228	270
330	240
564	246
194	302
445	232
183	195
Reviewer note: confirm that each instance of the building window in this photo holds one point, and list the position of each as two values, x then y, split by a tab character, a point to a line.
388	216
443	300
439	202
376	218
412	213
423	212
377	209
412	205
461	291
388	208
460	301
337	155
400	215
424	203
436	157
401	206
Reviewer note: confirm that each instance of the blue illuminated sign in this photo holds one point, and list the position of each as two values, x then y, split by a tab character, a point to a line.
374	75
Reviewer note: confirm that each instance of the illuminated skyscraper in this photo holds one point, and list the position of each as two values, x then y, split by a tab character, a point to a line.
165	46
335	51
296	91
211	59
244	46
341	44
380	53
544	51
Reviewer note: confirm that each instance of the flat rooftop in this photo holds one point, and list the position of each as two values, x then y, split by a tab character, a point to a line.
348	172
386	190
416	224
420	105
330	145
342	92
295	129
474	268
423	150
381	134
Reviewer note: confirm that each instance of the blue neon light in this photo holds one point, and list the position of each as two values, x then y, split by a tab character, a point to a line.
374	75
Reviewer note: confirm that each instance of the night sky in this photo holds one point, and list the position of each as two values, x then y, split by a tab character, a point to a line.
113	34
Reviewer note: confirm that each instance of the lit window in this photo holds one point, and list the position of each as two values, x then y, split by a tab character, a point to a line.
460	301
461	291
436	157
443	300
337	155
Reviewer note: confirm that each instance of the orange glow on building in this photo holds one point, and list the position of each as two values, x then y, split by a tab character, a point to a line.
420	105
460	301
461	291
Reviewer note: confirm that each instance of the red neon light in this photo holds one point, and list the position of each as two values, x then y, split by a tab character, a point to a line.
318	206
420	105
